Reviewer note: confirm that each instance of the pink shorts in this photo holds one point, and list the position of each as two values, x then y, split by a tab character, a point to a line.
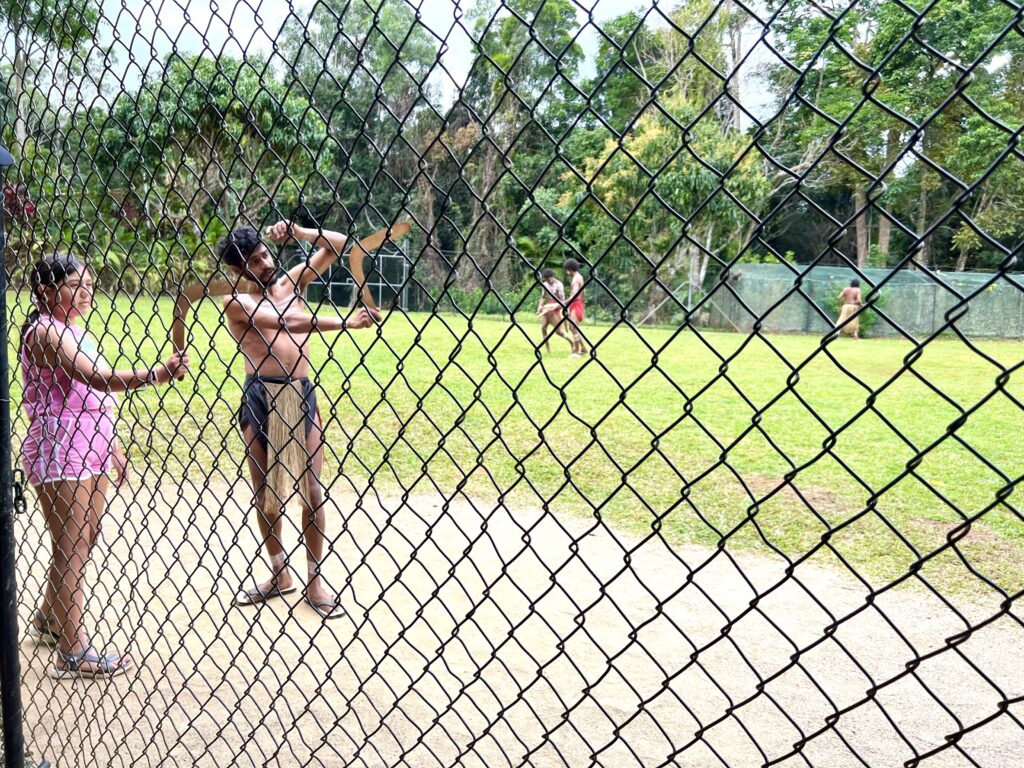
68	447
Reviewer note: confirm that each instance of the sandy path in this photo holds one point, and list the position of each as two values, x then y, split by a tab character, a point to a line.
492	637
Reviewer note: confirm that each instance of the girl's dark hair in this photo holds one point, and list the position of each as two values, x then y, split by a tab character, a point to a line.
48	273
572	265
547	274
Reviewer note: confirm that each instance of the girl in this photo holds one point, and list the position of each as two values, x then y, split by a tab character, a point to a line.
70	448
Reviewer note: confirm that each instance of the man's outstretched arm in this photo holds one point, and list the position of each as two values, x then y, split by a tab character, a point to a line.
244	310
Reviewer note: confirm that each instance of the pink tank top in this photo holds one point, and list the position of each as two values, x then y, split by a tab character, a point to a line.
51	392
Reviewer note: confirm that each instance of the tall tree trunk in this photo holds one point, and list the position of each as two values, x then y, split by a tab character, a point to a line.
705	259
961	259
884	236
922	224
698	269
981	206
736	48
20	118
892	140
862	224
429	218
482	244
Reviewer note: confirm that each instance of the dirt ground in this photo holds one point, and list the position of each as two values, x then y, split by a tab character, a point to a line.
483	636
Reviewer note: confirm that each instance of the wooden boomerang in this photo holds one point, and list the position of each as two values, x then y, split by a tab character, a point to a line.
362	249
221	287
191	295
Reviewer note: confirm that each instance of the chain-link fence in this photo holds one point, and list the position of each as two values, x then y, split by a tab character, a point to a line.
917	301
472	511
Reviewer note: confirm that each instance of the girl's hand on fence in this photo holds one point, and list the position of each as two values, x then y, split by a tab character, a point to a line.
121	468
175	367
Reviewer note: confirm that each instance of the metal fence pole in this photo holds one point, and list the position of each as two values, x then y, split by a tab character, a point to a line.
10	671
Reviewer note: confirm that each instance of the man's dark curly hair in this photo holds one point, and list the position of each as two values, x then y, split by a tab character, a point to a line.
235	248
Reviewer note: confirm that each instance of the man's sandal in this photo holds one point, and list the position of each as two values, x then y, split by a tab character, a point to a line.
328	609
255	595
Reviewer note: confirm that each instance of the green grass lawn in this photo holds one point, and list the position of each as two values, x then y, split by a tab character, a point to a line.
694	436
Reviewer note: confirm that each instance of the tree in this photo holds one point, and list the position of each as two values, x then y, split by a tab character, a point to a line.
823	108
41	33
220	137
879	103
997	206
666	203
628	63
519	104
366	65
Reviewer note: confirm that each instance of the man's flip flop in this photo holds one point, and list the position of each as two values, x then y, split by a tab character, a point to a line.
255	596
333	609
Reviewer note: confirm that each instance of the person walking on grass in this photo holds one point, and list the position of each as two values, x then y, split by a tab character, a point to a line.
574	312
70	449
850	302
550	309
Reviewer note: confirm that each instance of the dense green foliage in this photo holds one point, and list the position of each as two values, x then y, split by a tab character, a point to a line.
662	156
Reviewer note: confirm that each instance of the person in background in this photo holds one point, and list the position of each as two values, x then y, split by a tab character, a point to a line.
577	294
550	309
850	301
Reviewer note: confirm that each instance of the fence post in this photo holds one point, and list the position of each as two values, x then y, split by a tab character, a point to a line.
10	671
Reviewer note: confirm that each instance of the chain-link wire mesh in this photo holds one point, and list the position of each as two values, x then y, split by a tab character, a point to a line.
693	542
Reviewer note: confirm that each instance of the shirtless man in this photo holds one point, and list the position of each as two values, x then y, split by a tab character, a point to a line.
268	317
850	298
575	309
550	308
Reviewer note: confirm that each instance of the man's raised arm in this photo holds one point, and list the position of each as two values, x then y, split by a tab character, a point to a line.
329	245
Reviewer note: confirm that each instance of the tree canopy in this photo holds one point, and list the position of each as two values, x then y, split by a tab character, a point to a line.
678	142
